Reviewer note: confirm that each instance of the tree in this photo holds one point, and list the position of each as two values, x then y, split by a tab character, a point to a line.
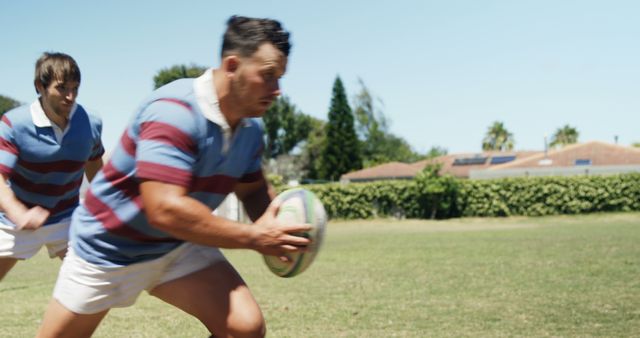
341	153
636	144
176	72
7	103
369	118
378	145
437	194
311	156
564	136
436	151
498	138
285	127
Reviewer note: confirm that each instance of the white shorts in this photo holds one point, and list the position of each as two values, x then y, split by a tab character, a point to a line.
24	244
86	288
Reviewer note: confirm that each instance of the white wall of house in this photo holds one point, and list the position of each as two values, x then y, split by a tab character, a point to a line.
554	171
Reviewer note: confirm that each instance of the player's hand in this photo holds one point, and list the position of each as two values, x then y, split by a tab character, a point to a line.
276	239
33	219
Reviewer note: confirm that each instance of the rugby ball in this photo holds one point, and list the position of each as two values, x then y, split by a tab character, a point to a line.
299	206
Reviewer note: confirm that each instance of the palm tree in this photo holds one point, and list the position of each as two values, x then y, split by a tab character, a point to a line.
564	136
498	138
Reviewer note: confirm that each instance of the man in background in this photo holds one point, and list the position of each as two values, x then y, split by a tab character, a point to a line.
45	150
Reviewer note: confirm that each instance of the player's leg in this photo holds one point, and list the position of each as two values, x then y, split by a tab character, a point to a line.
84	293
60	322
6	263
219	298
14	246
57	239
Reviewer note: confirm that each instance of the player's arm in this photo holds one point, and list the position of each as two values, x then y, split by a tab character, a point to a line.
17	212
91	168
170	209
255	196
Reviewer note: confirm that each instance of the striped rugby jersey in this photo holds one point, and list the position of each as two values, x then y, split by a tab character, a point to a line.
43	168
178	136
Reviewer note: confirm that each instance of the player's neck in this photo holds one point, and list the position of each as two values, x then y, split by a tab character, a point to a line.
225	100
60	119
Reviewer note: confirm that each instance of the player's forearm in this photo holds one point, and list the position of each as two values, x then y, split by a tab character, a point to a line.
91	168
187	219
257	202
9	204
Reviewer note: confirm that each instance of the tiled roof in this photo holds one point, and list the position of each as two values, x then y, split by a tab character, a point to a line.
598	153
394	170
391	170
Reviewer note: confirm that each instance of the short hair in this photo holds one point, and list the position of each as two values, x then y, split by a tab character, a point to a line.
55	66
245	35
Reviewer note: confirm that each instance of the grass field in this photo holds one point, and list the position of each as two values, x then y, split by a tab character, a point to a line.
575	276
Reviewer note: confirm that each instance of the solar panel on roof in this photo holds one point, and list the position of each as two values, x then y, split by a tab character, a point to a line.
583	161
502	159
469	161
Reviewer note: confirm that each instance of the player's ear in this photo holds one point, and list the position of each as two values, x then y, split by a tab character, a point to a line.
230	64
39	87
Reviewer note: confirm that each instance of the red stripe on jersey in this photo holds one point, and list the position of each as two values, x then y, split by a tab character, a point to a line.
65	204
252	177
120	181
8	146
6	121
101	211
128	144
113	224
65	166
218	184
163	173
167	134
47	189
5	170
59	207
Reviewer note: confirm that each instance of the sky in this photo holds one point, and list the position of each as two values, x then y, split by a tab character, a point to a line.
443	70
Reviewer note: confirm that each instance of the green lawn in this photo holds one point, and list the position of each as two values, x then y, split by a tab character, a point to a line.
573	276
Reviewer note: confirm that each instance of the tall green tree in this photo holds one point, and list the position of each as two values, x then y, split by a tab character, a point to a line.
173	73
341	153
378	145
7	103
564	136
285	127
498	138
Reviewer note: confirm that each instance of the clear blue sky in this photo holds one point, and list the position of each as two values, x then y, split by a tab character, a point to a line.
445	70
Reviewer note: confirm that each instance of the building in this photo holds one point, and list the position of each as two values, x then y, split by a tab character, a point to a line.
588	158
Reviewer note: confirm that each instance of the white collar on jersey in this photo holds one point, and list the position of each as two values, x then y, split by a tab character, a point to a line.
208	100
41	120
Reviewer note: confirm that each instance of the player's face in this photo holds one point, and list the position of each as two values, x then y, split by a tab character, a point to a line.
256	85
59	97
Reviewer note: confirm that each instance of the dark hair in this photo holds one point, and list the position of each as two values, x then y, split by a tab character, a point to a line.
55	66
245	35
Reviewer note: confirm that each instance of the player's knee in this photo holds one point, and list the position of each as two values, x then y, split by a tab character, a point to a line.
248	325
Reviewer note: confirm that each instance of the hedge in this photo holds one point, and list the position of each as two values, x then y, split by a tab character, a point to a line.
523	196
